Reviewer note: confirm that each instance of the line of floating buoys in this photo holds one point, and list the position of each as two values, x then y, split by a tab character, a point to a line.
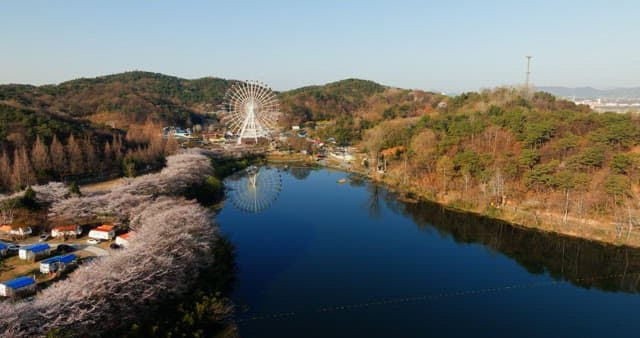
346	307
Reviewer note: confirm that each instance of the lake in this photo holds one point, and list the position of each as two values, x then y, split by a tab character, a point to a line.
323	259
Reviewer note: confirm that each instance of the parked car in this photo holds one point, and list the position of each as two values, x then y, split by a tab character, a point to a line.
13	247
65	248
44	237
93	241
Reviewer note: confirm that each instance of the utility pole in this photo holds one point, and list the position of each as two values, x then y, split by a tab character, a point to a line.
528	73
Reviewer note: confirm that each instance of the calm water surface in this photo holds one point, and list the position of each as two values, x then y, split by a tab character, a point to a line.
349	260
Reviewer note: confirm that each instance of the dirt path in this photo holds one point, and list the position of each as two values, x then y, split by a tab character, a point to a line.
102	186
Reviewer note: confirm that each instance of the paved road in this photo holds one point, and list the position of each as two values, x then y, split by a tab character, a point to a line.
96	250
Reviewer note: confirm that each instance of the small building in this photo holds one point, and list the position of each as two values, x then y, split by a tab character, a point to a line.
4	249
66	231
34	252
213	137
18	287
5	228
123	240
21	232
57	263
104	232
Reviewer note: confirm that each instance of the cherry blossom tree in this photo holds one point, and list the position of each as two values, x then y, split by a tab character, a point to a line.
173	240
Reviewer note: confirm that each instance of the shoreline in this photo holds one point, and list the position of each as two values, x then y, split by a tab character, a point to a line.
586	230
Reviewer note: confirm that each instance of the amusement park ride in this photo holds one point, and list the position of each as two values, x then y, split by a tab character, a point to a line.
251	112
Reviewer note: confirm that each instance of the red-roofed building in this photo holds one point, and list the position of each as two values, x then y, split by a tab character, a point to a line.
103	232
69	230
123	240
105	227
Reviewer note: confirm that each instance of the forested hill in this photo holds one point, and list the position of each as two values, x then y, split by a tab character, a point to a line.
121	99
355	98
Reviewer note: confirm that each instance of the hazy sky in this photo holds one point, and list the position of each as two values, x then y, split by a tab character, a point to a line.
438	45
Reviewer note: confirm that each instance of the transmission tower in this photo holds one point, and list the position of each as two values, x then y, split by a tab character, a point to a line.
528	74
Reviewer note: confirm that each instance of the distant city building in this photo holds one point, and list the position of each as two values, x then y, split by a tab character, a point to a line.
619	105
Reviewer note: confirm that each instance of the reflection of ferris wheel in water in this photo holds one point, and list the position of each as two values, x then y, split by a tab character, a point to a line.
254	189
251	111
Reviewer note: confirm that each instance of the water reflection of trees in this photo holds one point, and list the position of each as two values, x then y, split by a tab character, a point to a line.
356	180
300	172
580	262
373	204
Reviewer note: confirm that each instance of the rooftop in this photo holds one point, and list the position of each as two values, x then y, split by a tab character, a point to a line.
126	235
37	247
67	227
66	259
19	282
104	227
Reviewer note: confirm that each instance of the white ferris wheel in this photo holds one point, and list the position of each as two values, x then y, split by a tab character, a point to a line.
252	111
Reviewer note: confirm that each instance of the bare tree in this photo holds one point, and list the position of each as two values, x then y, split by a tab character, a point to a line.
445	168
116	146
7	206
76	164
107	157
21	172
498	186
58	157
171	146
89	151
5	171
40	156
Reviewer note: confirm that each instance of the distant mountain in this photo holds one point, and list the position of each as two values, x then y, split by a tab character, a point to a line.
590	92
